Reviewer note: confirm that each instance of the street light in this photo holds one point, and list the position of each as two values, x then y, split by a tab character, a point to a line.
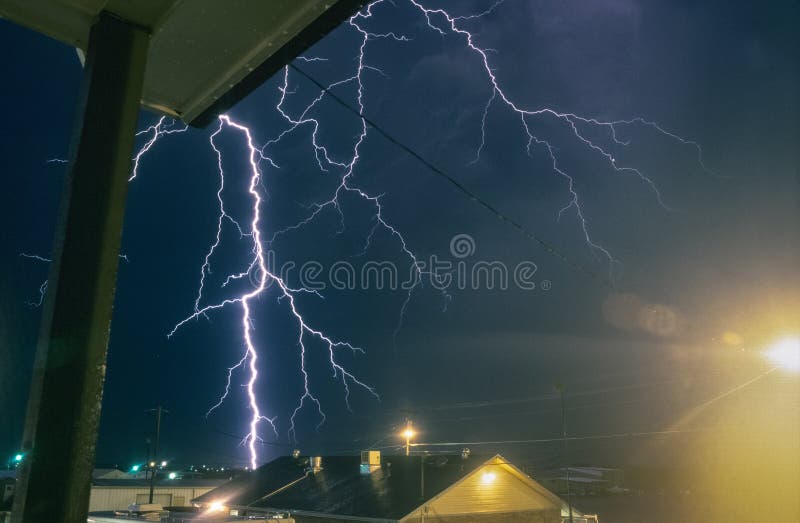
408	433
785	353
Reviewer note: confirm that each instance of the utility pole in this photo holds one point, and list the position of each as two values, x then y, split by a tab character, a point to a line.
560	389
422	476
154	464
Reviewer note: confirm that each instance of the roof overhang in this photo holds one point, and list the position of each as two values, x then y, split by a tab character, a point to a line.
204	55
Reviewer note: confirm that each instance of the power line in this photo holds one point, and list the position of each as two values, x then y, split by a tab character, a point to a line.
560	439
549	247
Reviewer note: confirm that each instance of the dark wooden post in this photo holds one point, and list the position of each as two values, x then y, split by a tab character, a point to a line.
67	389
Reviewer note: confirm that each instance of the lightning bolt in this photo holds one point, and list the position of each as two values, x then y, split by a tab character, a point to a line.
444	23
347	183
43	286
263	278
164	126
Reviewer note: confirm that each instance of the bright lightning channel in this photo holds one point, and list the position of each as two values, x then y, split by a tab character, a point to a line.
263	278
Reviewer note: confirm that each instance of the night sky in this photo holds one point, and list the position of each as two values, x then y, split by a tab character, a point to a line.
723	258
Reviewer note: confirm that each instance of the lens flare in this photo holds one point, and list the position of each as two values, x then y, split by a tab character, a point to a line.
785	354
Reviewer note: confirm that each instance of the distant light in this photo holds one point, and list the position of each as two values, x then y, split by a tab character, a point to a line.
172	475
408	433
163	463
786	354
152	464
135	468
732	339
488	478
19	457
216	506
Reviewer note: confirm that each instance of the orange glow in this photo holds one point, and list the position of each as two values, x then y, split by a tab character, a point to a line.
786	354
732	339
488	478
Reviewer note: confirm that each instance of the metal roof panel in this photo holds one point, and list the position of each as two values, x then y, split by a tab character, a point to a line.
204	55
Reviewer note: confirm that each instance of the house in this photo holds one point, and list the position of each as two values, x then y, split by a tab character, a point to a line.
389	489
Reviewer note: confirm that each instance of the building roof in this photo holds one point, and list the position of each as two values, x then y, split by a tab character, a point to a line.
160	483
391	491
577	479
204	55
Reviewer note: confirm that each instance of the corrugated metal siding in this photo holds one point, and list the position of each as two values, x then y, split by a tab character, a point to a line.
490	489
116	498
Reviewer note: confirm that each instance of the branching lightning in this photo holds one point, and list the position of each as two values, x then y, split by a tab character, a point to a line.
442	22
265	280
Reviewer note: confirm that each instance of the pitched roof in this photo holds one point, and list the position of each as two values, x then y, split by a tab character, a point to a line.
391	491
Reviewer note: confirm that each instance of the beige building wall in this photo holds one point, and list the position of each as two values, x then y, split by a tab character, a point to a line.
497	492
118	498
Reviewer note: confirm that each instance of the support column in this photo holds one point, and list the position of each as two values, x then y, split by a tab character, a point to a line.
67	389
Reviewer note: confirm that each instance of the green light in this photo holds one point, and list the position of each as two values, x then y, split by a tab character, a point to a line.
172	475
135	468
19	457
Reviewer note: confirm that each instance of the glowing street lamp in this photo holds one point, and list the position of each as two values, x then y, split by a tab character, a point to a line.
408	433
785	354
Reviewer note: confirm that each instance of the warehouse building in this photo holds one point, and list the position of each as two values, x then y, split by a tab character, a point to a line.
389	489
117	494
